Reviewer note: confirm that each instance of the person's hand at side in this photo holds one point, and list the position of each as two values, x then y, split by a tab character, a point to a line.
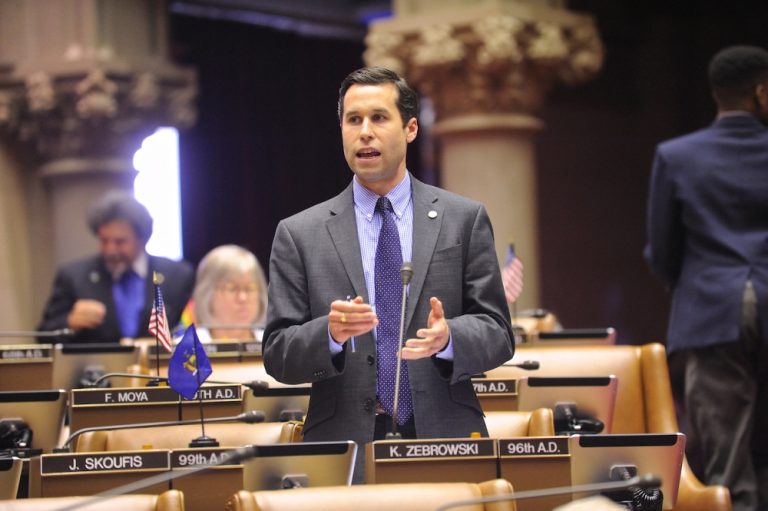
86	314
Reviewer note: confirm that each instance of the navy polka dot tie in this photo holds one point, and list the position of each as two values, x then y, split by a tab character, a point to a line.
389	295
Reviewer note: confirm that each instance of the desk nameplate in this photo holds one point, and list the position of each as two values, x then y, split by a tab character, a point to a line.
192	458
120	462
555	446
217	350
421	450
492	387
133	396
26	353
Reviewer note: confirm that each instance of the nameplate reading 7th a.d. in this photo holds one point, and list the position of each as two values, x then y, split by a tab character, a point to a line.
151	395
435	449
57	464
540	446
25	353
494	387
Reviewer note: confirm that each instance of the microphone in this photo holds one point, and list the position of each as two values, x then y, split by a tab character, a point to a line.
528	365
249	417
61	332
254	385
233	456
645	482
406	273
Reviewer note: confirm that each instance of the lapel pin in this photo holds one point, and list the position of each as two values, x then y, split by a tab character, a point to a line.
94	277
432	213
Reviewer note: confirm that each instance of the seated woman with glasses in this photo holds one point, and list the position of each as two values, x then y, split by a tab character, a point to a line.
230	296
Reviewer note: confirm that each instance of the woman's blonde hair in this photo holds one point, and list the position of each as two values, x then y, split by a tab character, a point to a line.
226	261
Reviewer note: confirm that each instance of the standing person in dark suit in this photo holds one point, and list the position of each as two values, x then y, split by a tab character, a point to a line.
708	240
109	296
335	290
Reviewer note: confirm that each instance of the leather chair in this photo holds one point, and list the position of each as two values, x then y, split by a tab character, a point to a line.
171	500
539	422
178	437
644	401
10	475
384	497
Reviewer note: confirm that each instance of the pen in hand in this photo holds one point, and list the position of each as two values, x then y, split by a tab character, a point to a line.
352	339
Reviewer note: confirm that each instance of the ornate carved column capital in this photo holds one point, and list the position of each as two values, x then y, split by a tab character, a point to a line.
497	58
94	112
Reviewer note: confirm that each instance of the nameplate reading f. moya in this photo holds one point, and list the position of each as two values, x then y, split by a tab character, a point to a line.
189	458
25	353
108	462
539	446
494	387
218	350
151	395
434	449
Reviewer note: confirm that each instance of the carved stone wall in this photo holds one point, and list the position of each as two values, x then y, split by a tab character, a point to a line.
82	82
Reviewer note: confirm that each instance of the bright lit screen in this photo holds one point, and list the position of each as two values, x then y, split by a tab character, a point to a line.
157	187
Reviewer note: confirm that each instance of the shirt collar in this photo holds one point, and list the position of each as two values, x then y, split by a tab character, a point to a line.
399	196
140	266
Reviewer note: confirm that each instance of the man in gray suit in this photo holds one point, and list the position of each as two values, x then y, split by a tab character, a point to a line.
329	316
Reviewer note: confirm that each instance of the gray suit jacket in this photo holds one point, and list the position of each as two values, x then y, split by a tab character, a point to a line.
316	259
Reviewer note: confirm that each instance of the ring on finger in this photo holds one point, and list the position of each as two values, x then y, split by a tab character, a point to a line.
343	317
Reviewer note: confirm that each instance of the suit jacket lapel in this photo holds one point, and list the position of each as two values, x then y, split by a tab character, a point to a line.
425	233
342	227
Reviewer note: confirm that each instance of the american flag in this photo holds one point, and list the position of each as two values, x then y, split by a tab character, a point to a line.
158	322
512	275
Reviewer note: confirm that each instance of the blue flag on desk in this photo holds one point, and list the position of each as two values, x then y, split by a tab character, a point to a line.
189	366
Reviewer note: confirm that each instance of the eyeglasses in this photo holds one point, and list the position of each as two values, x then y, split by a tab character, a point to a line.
234	290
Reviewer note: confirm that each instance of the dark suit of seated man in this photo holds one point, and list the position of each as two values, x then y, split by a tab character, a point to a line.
109	296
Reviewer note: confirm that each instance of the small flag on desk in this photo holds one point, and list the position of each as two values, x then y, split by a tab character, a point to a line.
512	275
189	366
158	321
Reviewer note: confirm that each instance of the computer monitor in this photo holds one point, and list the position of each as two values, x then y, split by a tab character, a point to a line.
280	403
42	410
597	458
575	337
71	360
308	464
588	397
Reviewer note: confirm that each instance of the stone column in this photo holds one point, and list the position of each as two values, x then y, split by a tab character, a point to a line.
487	67
82	82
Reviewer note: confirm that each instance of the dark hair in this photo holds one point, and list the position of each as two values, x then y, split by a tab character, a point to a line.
734	72
118	205
407	99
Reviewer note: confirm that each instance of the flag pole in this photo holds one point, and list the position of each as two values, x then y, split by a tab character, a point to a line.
156	381
203	440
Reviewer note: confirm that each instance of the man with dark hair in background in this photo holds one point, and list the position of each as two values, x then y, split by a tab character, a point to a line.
708	240
335	288
109	296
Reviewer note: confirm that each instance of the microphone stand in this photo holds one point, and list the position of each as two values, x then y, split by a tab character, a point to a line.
406	272
250	417
203	440
647	481
255	385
